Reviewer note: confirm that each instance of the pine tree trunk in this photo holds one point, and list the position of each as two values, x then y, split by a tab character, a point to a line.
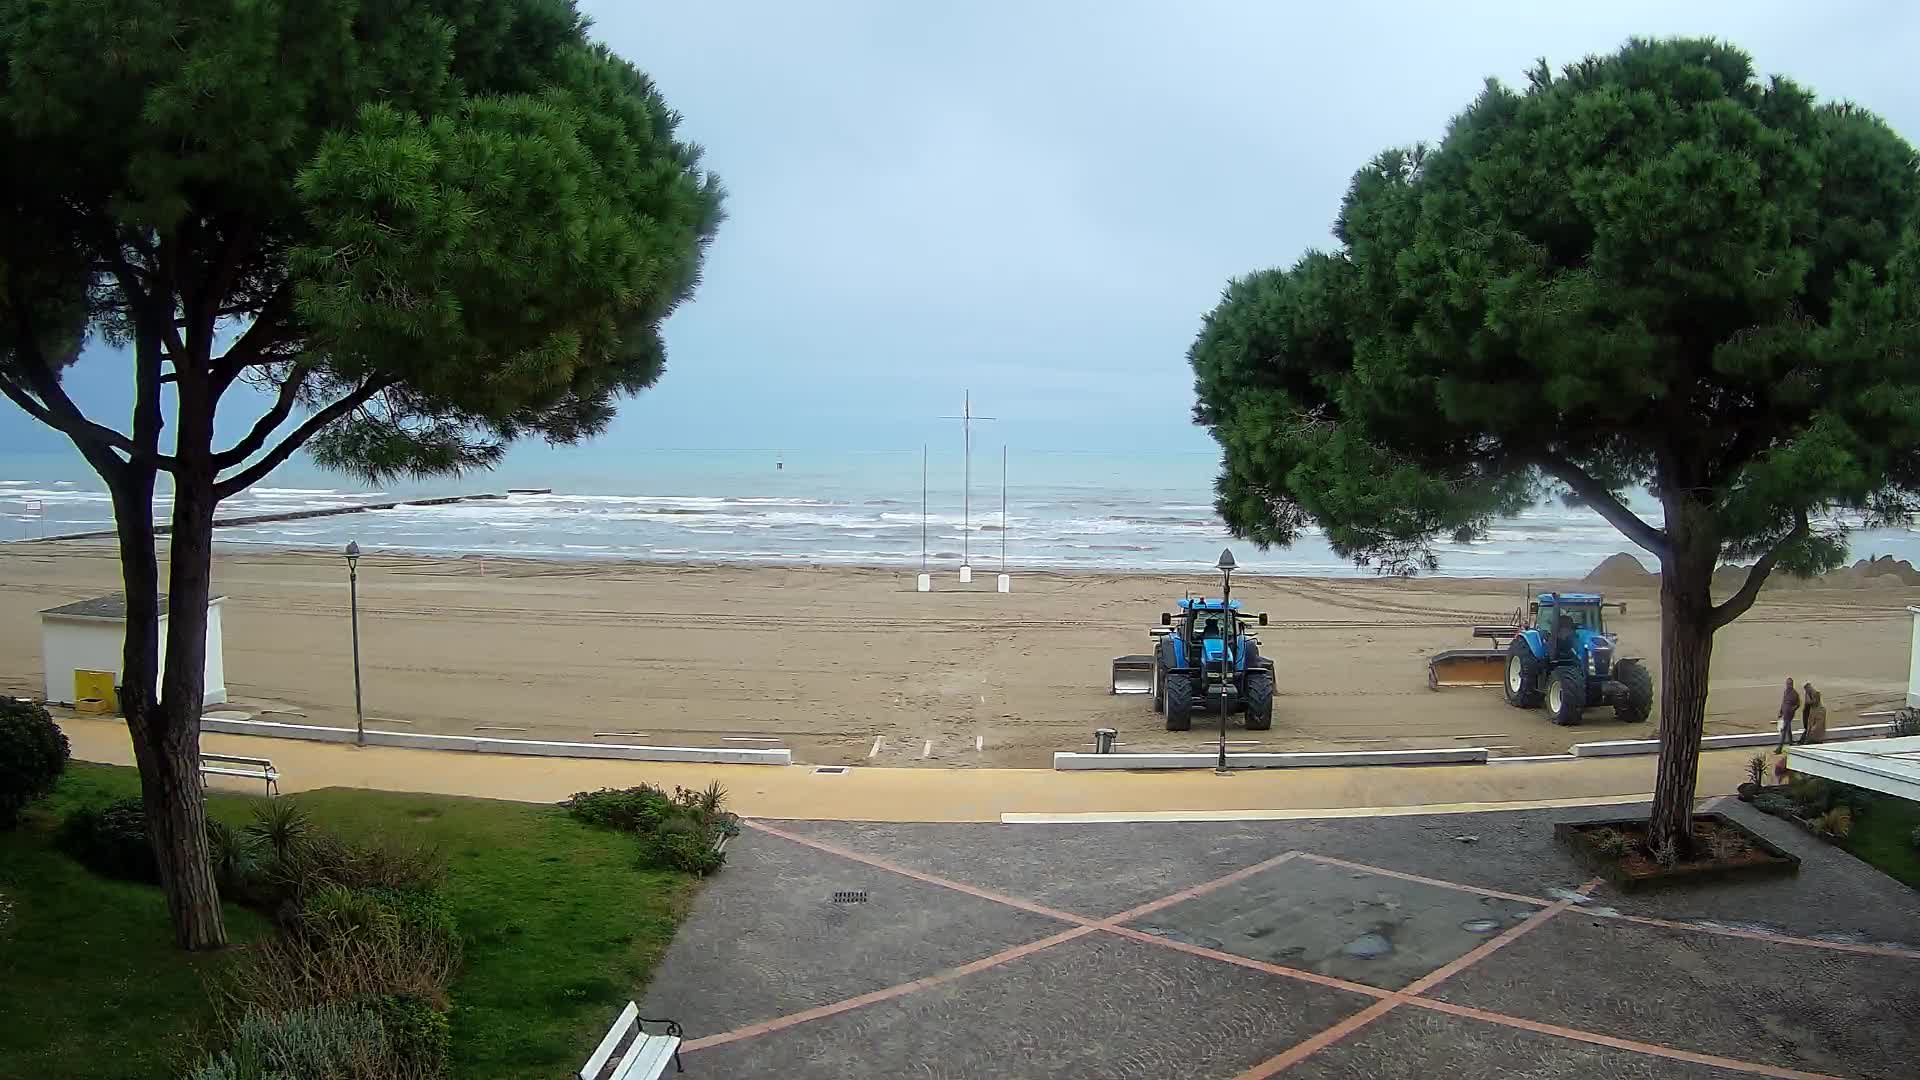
1686	655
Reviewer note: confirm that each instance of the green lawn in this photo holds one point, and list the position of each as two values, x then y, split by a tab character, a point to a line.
561	927
1882	837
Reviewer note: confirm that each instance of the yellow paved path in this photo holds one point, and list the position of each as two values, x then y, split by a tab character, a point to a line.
881	794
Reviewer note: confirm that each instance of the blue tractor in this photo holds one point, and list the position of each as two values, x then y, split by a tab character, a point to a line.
1566	661
1203	657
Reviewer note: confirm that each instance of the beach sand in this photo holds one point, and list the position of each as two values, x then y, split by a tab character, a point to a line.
834	662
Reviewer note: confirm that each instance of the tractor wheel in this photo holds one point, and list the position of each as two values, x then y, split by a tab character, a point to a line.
1259	699
1179	702
1159	675
1522	687
1566	696
1639	683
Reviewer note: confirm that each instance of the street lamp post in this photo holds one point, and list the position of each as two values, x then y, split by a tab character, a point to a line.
353	606
1228	638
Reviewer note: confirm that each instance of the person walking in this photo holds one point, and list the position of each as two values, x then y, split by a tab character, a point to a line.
1813	722
1789	704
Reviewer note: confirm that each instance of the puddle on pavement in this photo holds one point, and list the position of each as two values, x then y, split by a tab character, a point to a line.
1367	947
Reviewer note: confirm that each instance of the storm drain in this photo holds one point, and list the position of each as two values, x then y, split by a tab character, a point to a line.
850	896
830	770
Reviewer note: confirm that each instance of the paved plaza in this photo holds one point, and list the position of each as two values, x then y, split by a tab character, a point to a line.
1362	948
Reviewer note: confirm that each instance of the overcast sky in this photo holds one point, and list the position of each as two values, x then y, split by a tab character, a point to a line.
1039	200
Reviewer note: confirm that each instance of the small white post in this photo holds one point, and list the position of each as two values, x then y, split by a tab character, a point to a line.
966	574
923	582
1005	584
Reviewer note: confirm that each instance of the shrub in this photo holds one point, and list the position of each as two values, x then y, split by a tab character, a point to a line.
326	959
1914	838
1772	802
1905	722
280	826
33	753
322	859
111	841
1609	842
635	809
1757	769
326	1042
1835	823
238	861
419	1037
681	843
1812	795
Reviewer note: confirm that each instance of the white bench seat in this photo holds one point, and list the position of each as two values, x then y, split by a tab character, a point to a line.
641	1056
247	768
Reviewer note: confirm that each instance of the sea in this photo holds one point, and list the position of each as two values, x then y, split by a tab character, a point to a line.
1031	509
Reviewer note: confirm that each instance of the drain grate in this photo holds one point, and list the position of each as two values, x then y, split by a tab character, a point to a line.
830	770
850	896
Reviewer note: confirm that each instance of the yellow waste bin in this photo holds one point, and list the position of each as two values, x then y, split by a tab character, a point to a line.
96	685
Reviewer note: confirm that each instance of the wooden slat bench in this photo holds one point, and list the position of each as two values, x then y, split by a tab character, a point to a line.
629	1053
250	768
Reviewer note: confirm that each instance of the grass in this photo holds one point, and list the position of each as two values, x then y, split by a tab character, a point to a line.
1881	837
561	931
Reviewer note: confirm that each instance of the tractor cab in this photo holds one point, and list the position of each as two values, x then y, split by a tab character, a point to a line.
1209	632
1571	628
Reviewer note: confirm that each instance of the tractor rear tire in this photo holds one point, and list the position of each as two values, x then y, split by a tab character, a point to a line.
1638	704
1260	699
1159	675
1567	696
1179	702
1522	685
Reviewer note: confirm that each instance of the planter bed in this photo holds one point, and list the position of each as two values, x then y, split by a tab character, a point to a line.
1745	855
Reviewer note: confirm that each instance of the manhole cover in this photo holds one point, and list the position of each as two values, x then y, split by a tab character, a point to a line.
850	896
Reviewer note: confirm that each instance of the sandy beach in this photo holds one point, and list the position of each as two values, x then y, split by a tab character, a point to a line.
851	666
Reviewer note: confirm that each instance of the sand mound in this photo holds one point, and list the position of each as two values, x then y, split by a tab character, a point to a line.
1877	572
1618	571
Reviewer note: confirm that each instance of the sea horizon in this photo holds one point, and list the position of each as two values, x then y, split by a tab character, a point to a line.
1064	510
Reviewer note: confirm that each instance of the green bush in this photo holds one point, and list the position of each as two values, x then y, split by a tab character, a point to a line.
33	754
1914	838
111	841
1812	795
1905	722
681	843
419	1038
1835	823
1772	802
1609	842
325	1042
238	861
635	809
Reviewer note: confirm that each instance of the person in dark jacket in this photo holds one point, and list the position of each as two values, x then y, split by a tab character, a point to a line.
1789	704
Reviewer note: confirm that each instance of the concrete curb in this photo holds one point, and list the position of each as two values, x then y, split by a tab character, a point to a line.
482	745
1621	747
1464	755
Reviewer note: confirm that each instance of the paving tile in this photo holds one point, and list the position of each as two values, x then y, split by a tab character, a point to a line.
1327	919
1098	1006
1415	1043
1802	1008
766	938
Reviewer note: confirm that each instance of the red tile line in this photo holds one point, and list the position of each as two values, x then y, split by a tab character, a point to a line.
1722	931
1650	1049
1312	1045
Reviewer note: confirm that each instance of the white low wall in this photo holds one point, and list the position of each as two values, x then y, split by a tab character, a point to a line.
479	744
1620	747
1463	755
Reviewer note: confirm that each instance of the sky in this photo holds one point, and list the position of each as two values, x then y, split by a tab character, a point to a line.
1038	201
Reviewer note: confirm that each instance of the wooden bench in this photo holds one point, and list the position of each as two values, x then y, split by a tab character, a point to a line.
249	768
629	1053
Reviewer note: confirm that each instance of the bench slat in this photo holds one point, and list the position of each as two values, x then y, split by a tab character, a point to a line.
629	1016
648	1058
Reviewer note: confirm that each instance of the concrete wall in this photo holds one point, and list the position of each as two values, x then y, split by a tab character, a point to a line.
1620	747
478	744
1468	755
